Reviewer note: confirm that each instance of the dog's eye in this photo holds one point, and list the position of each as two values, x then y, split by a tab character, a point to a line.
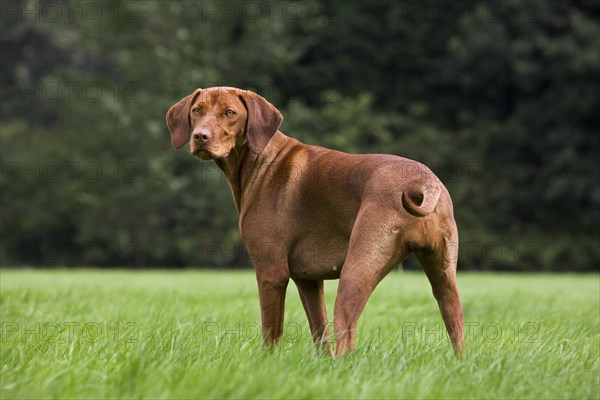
196	110
229	113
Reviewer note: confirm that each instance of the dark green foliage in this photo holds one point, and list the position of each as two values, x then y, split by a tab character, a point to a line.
499	98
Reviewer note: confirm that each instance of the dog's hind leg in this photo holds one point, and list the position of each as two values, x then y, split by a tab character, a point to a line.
374	249
440	267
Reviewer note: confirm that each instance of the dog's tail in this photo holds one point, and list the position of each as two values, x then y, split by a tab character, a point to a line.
422	200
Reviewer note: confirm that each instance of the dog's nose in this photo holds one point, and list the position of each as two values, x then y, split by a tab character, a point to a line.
202	135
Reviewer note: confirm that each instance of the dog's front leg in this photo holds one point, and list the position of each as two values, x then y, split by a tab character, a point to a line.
271	291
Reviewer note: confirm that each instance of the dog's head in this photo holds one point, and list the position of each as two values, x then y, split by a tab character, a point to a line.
219	119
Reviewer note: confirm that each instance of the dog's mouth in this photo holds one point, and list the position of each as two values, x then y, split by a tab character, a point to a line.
206	154
202	154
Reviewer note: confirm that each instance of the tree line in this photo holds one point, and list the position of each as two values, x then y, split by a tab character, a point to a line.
500	99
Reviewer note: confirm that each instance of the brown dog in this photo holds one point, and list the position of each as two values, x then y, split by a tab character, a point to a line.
310	213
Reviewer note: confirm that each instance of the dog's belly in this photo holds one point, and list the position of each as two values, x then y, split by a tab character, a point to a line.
318	257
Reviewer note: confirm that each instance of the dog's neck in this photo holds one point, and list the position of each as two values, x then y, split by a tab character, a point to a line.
236	167
242	168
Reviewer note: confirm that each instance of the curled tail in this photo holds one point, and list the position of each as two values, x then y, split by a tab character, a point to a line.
423	201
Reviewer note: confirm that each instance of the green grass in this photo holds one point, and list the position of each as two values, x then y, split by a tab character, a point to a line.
122	334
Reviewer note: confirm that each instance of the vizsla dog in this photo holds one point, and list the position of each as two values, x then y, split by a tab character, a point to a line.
310	213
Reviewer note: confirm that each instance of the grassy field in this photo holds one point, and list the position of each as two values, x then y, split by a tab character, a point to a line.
98	334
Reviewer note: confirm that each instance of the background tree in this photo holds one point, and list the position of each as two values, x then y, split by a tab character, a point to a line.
499	98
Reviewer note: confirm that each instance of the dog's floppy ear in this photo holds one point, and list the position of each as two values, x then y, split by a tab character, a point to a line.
262	122
178	119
